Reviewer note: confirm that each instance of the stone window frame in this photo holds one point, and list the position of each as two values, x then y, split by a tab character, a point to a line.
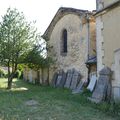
64	42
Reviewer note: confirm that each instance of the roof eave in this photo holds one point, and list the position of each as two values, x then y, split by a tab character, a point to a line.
59	15
107	8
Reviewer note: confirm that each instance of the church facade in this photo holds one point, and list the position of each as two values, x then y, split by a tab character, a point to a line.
71	37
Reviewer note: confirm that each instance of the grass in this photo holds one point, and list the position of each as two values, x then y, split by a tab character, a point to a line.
53	104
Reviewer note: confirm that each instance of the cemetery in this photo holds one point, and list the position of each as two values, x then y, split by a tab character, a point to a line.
70	72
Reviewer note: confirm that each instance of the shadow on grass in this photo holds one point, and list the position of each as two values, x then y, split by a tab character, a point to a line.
19	86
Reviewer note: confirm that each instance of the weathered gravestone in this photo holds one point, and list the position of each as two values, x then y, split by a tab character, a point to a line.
102	90
92	83
79	88
61	79
62	82
68	79
75	79
54	79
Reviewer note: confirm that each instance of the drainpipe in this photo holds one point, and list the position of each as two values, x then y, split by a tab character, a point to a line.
88	43
88	33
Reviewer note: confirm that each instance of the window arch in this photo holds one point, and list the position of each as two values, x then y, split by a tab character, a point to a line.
64	42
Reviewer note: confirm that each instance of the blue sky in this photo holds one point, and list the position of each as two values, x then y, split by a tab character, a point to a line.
44	10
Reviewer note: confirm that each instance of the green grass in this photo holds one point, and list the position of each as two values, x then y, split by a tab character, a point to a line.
53	104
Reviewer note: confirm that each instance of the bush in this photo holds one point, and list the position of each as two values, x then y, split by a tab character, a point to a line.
2	73
18	74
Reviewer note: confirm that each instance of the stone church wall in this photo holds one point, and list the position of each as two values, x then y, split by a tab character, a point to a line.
77	44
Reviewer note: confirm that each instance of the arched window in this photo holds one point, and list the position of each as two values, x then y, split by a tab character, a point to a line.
64	42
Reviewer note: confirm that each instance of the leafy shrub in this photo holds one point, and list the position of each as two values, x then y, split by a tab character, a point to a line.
18	74
2	73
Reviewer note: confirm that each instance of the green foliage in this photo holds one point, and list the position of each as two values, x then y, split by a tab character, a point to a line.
36	60
16	37
20	67
2	73
18	74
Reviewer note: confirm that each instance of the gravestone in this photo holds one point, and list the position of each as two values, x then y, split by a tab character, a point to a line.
92	83
59	78
68	79
102	90
75	80
79	88
54	79
62	82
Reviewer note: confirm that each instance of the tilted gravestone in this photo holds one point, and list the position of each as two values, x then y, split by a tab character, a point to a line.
75	80
58	80
102	90
92	83
62	82
79	88
61	79
68	79
54	79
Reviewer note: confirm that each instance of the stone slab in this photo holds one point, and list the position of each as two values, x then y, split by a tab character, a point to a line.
75	80
103	87
92	83
63	80
79	88
68	79
59	78
54	79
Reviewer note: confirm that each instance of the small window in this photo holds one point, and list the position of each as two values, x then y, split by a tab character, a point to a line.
64	42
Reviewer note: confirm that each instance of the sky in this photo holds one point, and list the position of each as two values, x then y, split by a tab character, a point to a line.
43	11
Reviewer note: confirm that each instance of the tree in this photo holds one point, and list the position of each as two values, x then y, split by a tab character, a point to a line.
36	60
17	38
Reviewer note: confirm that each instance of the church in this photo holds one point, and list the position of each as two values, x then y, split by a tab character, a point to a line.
85	41
72	38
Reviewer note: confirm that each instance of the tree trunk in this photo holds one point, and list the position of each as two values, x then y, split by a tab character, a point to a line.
11	75
42	76
48	82
9	84
9	81
10	78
